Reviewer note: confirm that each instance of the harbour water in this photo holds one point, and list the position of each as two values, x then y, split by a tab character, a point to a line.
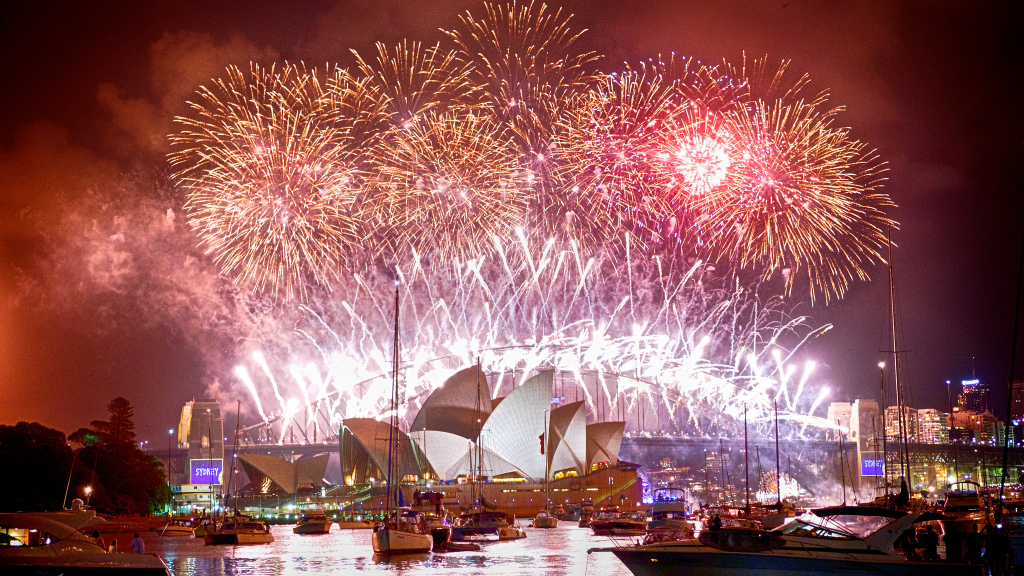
561	550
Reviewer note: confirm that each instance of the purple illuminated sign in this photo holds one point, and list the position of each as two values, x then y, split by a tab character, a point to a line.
871	465
205	471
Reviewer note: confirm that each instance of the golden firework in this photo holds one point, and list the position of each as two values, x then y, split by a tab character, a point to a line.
272	185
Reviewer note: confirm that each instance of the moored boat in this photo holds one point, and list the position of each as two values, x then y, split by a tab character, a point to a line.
39	544
615	523
840	540
402	533
479	524
312	520
178	527
670	511
545	520
965	504
355	523
238	530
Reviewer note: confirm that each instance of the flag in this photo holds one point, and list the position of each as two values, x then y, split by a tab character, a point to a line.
542	444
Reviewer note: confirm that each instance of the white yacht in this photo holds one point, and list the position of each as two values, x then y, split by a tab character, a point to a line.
965	504
670	511
239	530
312	520
840	540
32	543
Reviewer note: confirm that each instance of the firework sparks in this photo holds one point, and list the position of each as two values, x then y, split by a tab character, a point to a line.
272	186
537	214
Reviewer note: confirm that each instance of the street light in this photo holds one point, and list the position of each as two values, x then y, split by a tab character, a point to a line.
88	494
170	502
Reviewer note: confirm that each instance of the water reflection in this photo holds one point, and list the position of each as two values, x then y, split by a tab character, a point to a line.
562	550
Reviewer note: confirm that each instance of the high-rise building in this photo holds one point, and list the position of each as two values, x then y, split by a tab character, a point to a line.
932	426
1017	401
973	396
909	423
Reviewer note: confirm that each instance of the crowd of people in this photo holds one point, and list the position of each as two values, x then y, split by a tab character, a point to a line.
990	545
137	544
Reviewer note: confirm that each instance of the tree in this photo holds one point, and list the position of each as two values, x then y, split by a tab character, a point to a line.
121	426
128	481
36	463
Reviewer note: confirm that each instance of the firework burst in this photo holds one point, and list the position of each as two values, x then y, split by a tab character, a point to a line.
272	186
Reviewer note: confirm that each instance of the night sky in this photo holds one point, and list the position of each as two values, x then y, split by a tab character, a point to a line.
89	91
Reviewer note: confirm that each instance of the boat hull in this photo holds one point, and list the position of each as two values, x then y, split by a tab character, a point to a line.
545	522
440	536
178	531
312	528
390	541
713	563
83	563
355	524
214	538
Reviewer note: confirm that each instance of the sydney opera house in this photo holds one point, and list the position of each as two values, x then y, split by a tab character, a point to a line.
467	444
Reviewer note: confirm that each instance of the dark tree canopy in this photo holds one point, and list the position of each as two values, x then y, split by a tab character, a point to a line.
36	461
121	426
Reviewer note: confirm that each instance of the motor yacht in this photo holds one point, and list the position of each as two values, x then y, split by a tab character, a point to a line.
312	520
966	505
478	525
33	543
615	523
670	511
178	527
238	530
544	519
839	540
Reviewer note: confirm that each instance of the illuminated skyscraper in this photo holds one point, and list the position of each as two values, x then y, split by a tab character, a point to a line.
973	396
1017	401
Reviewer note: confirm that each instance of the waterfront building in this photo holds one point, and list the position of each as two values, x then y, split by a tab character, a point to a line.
977	427
892	423
499	447
932	426
273	476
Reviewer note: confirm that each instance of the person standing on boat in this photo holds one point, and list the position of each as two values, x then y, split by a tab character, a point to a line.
954	539
716	522
99	539
930	541
975	541
138	546
903	499
113	546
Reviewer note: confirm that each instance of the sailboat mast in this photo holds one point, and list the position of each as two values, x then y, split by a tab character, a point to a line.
904	455
547	456
778	465
746	458
234	451
393	415
885	447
